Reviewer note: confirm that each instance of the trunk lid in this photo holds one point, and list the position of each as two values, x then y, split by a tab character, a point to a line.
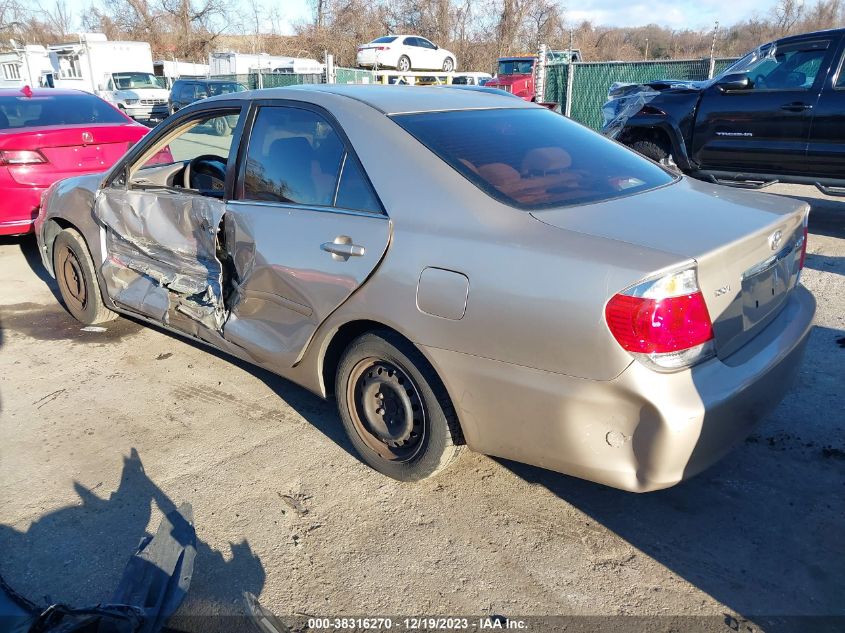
747	246
70	150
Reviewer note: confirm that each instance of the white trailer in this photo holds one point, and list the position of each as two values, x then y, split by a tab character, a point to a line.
171	70
119	72
23	66
298	65
232	63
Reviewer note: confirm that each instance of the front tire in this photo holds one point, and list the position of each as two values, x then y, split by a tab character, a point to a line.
77	279
448	65
395	409
404	64
658	152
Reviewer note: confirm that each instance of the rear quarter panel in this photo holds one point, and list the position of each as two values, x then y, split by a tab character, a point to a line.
536	293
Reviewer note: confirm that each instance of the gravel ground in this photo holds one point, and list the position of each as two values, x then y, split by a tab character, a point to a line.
101	432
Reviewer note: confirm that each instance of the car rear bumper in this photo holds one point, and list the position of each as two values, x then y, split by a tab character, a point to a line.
18	209
641	431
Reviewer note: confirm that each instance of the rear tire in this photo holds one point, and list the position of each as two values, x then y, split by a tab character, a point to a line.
404	64
394	408
77	279
658	152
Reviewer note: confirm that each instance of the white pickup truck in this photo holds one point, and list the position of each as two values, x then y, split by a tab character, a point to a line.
119	72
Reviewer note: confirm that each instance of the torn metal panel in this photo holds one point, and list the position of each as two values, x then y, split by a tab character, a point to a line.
162	255
630	101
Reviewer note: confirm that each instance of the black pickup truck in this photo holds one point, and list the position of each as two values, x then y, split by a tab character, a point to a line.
776	115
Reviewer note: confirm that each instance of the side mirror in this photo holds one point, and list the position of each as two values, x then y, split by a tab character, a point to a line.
734	81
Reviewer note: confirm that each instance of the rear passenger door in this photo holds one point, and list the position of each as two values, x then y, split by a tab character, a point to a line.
304	231
826	151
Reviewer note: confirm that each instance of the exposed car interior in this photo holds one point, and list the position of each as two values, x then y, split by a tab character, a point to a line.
531	158
192	158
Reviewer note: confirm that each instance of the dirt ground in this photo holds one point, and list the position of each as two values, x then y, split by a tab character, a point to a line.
101	432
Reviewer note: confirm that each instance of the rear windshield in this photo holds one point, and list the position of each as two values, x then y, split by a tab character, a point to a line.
224	89
383	40
533	158
22	112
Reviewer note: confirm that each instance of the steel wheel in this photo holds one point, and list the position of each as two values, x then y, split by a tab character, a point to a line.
386	409
77	279
69	272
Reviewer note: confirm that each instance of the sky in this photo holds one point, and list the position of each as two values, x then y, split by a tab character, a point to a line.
677	14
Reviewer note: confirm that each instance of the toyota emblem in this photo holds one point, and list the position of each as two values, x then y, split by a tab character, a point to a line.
775	239
87	137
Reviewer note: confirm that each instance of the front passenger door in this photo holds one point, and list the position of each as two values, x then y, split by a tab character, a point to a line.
764	128
161	215
305	231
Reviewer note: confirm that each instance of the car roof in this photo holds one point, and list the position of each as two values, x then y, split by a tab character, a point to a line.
42	92
207	81
396	99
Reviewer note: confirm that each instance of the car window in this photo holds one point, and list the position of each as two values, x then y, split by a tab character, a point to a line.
354	190
533	158
789	68
384	40
207	135
73	109
425	43
412	41
294	155
215	89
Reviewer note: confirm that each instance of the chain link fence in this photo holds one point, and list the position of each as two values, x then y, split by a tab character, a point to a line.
588	82
354	76
254	81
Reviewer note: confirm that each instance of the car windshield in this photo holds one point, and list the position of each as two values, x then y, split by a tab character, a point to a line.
224	89
752	60
515	66
533	158
383	40
77	109
128	81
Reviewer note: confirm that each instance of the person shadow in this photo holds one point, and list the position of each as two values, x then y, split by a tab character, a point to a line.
76	555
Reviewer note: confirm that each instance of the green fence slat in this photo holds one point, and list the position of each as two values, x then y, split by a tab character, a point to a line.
592	80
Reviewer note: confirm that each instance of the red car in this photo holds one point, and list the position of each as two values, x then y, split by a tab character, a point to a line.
47	135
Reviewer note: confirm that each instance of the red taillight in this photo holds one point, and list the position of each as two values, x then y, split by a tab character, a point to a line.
21	157
382	48
663	322
648	326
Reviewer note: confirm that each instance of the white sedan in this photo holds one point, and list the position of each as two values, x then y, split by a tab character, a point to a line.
405	53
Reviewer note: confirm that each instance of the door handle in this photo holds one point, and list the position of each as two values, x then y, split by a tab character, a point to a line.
796	106
342	248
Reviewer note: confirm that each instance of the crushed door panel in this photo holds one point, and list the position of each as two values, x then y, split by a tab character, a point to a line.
161	257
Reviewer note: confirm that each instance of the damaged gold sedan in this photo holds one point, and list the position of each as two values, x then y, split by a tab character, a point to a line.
455	267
